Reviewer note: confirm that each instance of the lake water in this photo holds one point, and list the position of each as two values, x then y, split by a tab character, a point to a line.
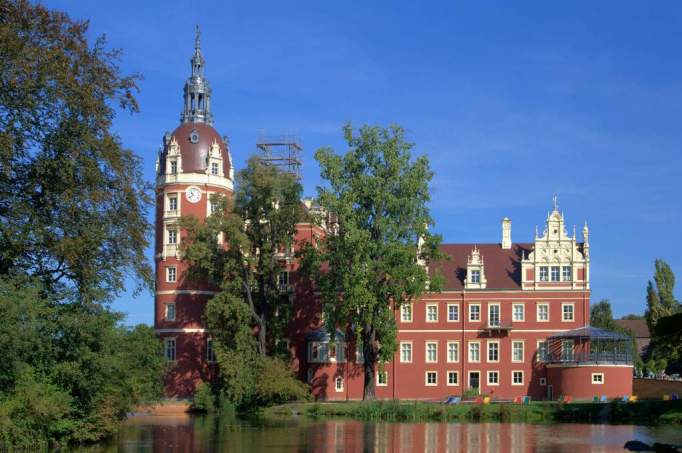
216	434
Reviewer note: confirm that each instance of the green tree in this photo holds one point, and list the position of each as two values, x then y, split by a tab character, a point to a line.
73	201
373	258
601	315
659	295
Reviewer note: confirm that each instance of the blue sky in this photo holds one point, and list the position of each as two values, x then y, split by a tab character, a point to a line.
511	101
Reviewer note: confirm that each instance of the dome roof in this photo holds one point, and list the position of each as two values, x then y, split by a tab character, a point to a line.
195	140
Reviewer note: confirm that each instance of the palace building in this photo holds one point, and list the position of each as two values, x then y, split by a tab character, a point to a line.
512	318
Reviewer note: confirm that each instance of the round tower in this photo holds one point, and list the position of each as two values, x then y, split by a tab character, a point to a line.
194	162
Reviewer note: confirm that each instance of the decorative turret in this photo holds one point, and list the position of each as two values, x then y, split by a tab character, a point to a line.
197	93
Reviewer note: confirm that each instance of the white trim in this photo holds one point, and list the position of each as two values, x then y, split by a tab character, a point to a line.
194	178
479	379
447	352
190	330
426	378
523	312
175	274
543	381
447	378
469	351
499	313
447	315
523	377
537	312
411	352
336	387
426	351
487	351
519	291
601	375
426	312
479	312
493	384
568	304
185	291
523	351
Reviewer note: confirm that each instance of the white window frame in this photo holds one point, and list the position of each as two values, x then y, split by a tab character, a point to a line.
470	360
406	343
523	377
523	351
499	314
545	277
382	373
210	349
487	351
563	273
166	342
543	381
171	270
173	229
215	168
523	312
537	350
475	276
551	273
537	312
563	313
165	311
456	343
600	376
456	306
403	309
173	167
489	373
426	313
426	378
447	378
426	351
471	312
338	388
169	198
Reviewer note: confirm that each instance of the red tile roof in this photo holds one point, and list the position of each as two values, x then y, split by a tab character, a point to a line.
502	267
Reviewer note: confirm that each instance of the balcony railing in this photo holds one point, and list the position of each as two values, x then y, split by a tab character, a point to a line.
588	357
171	213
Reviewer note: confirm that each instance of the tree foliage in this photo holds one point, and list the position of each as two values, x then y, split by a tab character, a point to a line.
72	199
659	295
371	260
662	316
247	317
601	315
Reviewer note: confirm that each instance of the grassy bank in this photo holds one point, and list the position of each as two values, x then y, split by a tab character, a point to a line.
644	412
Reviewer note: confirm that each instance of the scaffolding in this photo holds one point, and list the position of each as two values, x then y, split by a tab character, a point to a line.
281	151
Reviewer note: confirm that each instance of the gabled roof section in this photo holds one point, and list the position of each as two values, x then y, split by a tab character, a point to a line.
502	266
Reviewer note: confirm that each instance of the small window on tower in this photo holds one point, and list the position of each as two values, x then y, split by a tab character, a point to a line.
171	274
170	312
173	203
214	168
174	167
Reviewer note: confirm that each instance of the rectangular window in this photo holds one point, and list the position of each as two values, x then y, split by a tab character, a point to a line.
406	313
567	350
431	378
172	236
597	378
318	351
493	351
169	349
542	351
453	312
338	386
494	315
210	352
517	351
555	273
518	312
382	378
359	354
475	276
474	312
453	351
406	352
214	168
214	207
474	352
431	352
544	273
543	312
283	281
543	381
517	377
567	274
171	274
170	312
174	167
453	378
173	203
431	313
567	312
493	378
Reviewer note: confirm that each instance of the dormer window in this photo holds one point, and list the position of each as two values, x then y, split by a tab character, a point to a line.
174	167
475	276
214	168
544	273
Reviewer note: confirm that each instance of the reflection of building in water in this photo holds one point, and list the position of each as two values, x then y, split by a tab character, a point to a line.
487	330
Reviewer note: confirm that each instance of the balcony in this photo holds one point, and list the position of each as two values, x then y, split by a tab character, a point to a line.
495	325
170	214
588	345
170	251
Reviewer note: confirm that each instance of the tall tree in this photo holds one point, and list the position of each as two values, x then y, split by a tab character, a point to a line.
258	228
373	259
73	201
660	298
602	316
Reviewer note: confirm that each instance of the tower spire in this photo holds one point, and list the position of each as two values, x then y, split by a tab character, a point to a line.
197	93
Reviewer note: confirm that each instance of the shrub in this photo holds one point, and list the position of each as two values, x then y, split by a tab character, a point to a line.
204	399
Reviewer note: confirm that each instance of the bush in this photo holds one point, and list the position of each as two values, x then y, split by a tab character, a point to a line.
276	383
204	399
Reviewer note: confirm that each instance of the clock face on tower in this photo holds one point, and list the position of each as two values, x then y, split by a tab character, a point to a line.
193	194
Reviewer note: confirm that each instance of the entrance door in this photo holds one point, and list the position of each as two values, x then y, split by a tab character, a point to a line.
474	380
550	393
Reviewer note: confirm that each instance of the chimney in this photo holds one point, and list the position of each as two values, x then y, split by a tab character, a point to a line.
506	233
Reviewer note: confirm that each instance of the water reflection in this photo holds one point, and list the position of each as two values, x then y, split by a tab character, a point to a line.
207	434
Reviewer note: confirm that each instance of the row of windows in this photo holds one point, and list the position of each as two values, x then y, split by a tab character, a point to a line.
474	352
518	312
215	168
170	350
282	277
451	378
555	273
